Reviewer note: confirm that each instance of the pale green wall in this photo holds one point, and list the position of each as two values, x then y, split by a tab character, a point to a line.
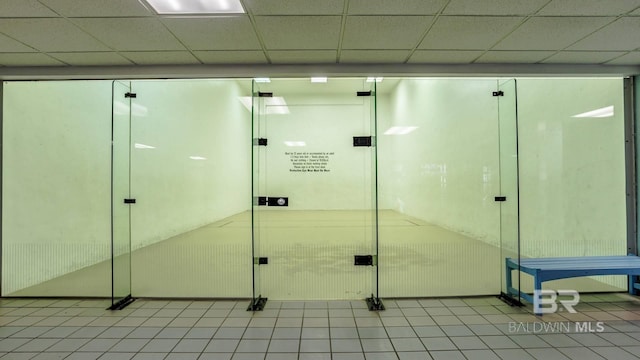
327	124
445	172
572	170
57	175
181	119
56	181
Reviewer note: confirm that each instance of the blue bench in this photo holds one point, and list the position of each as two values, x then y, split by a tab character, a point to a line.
546	269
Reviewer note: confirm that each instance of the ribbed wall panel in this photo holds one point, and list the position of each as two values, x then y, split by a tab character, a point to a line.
438	268
27	264
209	270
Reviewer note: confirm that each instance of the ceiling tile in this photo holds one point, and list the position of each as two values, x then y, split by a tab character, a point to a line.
161	57
91	58
494	7
299	32
28	59
632	58
384	32
7	44
97	8
374	56
444	57
302	57
468	33
589	7
513	57
24	8
404	7
131	34
231	57
298	7
551	33
616	36
215	33
50	35
582	57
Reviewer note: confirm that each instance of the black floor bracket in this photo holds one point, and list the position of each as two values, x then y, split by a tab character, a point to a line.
257	304
374	304
123	303
510	300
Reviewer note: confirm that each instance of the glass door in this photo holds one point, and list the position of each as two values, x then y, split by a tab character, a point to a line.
120	196
509	200
314	179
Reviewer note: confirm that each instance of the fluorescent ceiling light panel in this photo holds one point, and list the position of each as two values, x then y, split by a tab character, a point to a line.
295	143
376	79
597	113
196	7
197	158
262	80
318	79
143	146
400	130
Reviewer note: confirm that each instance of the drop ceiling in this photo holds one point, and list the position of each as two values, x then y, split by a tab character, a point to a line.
67	33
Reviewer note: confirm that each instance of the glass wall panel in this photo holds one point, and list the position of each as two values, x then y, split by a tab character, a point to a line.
120	182
439	174
190	176
572	173
56	189
509	220
316	186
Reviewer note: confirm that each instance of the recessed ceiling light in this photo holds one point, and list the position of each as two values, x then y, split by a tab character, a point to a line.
376	79
319	79
262	80
143	146
295	143
197	158
172	7
597	113
400	130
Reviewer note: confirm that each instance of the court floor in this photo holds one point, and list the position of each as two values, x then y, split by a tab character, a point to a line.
310	257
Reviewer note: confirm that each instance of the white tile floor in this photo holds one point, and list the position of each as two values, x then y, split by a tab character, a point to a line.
453	328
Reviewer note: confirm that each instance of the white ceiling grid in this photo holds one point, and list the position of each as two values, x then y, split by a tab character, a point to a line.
128	32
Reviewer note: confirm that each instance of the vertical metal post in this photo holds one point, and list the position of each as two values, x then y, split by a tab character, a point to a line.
2	209
630	131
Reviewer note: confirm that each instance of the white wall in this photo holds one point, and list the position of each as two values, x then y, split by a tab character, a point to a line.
56	182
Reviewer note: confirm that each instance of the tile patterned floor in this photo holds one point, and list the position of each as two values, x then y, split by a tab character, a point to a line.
441	329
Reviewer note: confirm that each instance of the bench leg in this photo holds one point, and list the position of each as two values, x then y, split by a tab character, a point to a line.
508	279
632	283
